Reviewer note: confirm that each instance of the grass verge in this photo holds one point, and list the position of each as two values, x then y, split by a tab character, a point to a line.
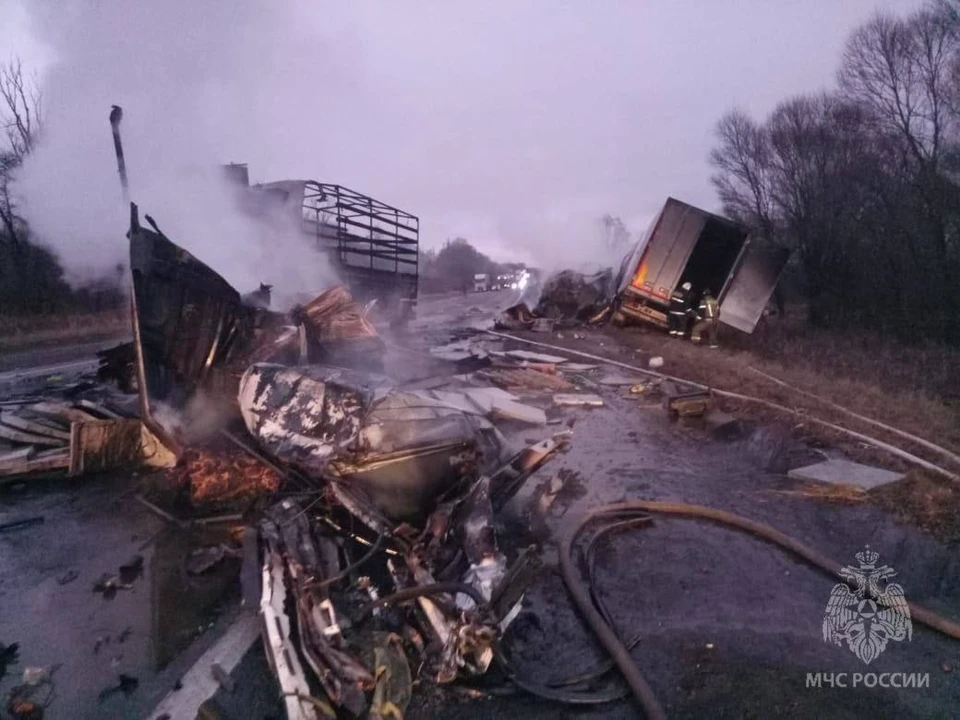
25	332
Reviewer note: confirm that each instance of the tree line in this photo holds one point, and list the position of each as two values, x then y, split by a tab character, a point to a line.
863	182
31	278
453	267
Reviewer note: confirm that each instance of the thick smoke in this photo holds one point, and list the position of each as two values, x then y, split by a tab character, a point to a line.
517	125
180	70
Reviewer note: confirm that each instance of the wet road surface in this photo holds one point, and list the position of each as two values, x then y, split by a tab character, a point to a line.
93	526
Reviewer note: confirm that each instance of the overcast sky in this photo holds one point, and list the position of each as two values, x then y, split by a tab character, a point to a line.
514	123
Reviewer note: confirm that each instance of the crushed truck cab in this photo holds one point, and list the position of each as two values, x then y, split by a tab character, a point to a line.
687	244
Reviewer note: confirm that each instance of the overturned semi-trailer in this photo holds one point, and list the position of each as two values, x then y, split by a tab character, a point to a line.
685	244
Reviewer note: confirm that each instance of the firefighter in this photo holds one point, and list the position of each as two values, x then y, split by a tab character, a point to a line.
679	309
708	312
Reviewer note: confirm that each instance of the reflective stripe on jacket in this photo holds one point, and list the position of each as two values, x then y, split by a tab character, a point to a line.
709	308
679	302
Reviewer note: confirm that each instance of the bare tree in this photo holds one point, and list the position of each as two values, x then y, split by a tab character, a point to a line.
742	161
21	115
901	69
865	182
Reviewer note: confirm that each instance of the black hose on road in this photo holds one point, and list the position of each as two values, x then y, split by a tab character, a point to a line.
631	673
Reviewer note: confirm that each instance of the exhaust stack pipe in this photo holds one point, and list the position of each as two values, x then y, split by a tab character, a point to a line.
116	115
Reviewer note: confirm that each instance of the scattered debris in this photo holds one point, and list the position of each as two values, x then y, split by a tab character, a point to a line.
19	524
299	574
655	362
400	484
517	317
126	684
9	655
119	364
687	404
337	326
535	357
68	577
73	438
846	472
573	296
131	570
578	399
524	380
108	585
34	676
569	367
622	380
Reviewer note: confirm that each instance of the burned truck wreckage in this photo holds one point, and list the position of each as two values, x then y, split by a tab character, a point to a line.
388	489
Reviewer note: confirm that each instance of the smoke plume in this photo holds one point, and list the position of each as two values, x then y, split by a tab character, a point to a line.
516	124
181	71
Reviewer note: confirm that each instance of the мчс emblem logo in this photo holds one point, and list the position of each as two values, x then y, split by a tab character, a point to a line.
867	611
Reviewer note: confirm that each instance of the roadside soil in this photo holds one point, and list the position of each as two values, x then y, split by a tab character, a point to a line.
23	334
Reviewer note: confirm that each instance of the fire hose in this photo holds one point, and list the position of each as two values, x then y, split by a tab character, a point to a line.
581	595
886	447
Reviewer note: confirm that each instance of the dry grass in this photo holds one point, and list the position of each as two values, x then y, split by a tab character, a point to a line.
925	500
21	332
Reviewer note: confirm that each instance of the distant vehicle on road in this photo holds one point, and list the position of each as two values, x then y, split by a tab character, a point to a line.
685	244
481	282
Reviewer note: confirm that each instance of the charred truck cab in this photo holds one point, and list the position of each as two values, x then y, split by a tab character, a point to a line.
686	244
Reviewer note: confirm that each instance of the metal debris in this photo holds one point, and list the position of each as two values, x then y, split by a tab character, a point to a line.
535	357
578	399
573	296
687	404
